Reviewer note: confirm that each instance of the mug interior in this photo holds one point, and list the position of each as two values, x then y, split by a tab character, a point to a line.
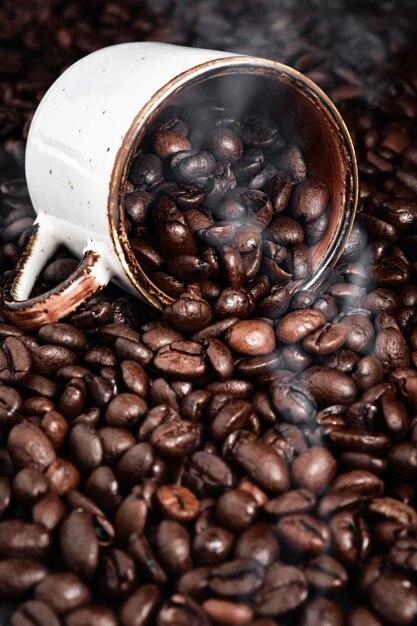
305	116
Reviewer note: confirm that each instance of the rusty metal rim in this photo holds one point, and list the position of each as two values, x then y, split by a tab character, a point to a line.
141	282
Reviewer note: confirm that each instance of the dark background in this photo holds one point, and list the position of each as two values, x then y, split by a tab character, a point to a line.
358	51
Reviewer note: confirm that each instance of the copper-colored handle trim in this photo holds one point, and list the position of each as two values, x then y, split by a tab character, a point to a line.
86	280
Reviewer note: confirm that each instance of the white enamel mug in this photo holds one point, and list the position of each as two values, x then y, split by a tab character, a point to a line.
86	131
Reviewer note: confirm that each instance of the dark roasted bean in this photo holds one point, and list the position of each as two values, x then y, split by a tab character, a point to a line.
139	607
19	576
314	469
78	544
263	465
236	578
91	614
285	589
394	599
258	542
62	592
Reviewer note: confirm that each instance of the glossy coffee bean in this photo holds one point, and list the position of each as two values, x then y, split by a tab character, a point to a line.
177	503
19	576
78	544
34	612
393	598
251	338
63	592
285	588
314	469
266	468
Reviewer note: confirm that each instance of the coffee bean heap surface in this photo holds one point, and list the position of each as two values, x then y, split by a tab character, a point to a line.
220	200
243	460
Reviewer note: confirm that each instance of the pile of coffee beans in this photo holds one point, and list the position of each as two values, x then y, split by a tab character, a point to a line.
249	460
220	200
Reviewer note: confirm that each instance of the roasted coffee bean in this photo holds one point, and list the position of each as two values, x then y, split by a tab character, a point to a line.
251	337
303	534
258	542
115	442
266	468
356	440
137	204
351	538
103	488
146	171
321	611
178	503
19	576
213	545
28	485
361	616
359	481
85	447
208	471
10	406
394	598
292	161
391	349
21	540
181	610
326	574
176	438
62	334
141	551
285	588
125	410
91	615
78	544
28	445
117	574
139	607
15	360
316	230
314	469
294	501
184	359
135	463
188	314
48	511
236	578
258	131
326	340
34	612
329	386
226	613
173	544
281	188
360	332
189	166
298	324
220	358
392	509
236	509
309	200
168	142
63	592
293	401
234	301
232	416
223	143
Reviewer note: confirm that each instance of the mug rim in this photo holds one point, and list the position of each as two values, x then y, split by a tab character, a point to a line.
239	64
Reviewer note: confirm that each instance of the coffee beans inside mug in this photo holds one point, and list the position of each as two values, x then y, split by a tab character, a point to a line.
219	199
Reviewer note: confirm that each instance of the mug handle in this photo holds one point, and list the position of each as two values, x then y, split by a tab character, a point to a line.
88	278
